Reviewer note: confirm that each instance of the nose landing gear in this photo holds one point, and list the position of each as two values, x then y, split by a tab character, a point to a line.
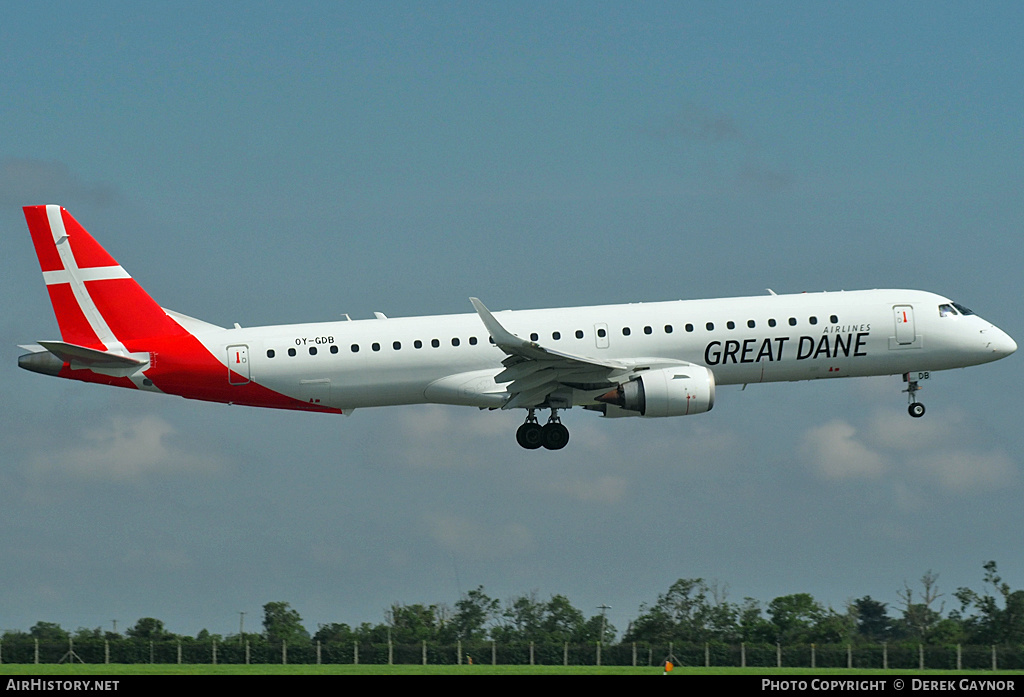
552	435
915	409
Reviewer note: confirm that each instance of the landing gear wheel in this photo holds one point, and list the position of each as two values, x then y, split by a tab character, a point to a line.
554	436
915	409
530	435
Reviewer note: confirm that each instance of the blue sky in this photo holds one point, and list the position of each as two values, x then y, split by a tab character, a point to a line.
266	163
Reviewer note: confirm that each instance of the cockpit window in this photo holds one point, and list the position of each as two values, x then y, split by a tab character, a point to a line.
946	310
963	310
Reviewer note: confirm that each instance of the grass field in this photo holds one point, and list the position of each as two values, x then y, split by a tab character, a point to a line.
274	669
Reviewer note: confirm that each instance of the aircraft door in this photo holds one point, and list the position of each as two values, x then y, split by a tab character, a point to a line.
601	335
238	364
904	317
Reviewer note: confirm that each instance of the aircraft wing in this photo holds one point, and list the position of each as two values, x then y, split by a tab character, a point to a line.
534	371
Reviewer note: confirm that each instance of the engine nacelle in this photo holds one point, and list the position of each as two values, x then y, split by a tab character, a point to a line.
678	391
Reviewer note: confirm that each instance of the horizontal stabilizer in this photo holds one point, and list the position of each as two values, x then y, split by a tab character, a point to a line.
89	358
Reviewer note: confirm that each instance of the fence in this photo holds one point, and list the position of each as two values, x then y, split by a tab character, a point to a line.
872	657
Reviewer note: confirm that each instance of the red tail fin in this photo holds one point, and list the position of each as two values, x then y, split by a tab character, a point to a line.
98	305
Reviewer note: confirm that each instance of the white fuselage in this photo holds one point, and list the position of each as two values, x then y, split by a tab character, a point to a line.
450	359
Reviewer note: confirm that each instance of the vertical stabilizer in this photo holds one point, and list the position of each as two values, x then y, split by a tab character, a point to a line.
97	304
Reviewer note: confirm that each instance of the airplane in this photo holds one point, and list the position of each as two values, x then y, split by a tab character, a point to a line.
656	359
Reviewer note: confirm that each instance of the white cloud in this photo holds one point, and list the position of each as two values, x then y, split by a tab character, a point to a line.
904	434
945	449
436	436
961	470
605	489
835	452
476	539
125	448
941	452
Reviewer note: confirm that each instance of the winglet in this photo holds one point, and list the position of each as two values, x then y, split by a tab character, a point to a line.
514	346
502	337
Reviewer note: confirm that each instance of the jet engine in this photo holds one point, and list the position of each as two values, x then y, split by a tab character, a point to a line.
677	391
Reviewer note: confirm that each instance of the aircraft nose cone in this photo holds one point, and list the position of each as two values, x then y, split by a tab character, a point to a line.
1001	343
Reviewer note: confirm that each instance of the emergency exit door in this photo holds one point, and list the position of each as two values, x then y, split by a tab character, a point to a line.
904	317
238	364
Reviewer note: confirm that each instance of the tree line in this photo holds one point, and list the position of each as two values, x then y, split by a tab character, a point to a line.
690	611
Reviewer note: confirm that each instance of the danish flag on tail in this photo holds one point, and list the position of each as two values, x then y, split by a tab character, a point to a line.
113	332
98	305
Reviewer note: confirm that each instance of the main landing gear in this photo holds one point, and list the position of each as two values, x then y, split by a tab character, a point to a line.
915	409
552	435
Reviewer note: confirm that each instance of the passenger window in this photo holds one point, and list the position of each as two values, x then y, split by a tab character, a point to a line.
312	350
792	321
355	348
812	320
334	348
472	341
771	322
751	323
648	330
579	333
534	336
710	326
417	344
291	352
556	335
602	333
375	346
397	345
270	353
455	341
625	331
668	328
689	327
730	324
435	343
833	319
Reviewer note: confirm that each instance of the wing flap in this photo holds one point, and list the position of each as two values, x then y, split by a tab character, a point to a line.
531	398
